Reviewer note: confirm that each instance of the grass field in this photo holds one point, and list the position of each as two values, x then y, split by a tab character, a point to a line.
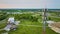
27	26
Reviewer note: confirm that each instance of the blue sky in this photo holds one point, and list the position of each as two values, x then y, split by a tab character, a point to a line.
52	4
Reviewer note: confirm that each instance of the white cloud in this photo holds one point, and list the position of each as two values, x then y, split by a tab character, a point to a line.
29	4
22	3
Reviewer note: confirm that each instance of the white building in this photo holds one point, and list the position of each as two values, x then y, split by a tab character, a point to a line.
11	20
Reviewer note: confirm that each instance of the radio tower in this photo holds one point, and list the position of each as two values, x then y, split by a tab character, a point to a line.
44	18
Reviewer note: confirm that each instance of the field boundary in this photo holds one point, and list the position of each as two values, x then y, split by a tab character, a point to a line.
32	25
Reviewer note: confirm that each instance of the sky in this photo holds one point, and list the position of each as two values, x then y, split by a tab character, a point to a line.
30	4
55	4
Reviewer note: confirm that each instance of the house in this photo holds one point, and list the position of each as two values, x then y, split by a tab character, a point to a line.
12	24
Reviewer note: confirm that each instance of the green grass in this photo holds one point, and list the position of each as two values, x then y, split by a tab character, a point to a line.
25	29
3	23
29	29
49	31
27	22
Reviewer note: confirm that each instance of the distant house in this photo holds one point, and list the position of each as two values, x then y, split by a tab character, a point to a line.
50	22
11	20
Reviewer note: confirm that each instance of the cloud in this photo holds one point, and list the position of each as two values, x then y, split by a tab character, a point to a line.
22	3
29	4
